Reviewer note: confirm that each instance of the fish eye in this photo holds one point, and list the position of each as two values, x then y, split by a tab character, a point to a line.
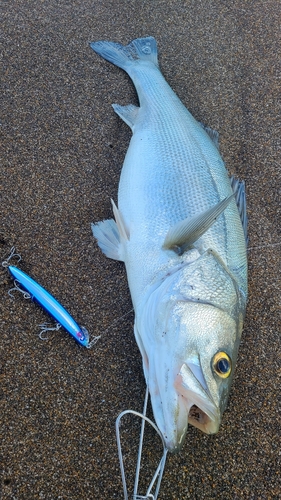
222	364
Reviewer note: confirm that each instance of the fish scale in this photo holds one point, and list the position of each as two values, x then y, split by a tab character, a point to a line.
167	139
179	233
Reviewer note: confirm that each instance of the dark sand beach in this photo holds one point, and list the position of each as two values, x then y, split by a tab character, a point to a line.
62	149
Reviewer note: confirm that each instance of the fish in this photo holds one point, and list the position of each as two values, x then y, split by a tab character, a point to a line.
180	227
51	305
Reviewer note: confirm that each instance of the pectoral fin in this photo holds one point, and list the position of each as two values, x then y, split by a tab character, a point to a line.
181	236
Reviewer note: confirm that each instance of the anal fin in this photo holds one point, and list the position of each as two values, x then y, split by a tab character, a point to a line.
127	113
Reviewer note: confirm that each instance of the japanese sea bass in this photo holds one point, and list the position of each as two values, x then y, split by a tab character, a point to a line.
180	228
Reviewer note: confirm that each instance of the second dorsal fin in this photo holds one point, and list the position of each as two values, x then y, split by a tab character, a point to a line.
213	134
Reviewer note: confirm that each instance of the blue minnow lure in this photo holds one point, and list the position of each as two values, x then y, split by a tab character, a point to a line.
51	305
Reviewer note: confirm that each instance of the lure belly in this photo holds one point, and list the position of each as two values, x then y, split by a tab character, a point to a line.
51	305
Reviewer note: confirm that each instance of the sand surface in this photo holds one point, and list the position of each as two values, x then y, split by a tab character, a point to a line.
62	149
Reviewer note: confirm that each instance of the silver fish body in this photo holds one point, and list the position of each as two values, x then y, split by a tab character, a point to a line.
183	246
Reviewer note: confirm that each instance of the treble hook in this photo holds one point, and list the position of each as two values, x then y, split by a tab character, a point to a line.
46	328
26	295
13	254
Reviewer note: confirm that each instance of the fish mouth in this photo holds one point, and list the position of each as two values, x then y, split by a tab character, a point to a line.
194	394
198	418
193	405
183	399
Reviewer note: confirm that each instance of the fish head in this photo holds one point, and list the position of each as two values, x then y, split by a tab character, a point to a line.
189	355
204	363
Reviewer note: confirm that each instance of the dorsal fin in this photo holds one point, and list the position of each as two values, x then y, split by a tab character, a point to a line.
213	134
181	236
238	188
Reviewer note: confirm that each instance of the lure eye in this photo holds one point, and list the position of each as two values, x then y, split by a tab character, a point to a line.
222	364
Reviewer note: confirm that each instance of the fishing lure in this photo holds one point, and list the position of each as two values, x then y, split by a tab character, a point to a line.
51	305
32	290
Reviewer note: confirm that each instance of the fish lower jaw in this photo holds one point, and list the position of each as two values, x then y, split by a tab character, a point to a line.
200	409
188	414
199	419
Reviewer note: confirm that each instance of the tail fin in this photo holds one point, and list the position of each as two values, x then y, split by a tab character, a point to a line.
123	56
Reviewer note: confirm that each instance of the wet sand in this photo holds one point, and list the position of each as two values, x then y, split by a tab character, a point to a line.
62	149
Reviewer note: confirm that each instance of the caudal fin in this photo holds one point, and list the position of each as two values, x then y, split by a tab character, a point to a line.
123	56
